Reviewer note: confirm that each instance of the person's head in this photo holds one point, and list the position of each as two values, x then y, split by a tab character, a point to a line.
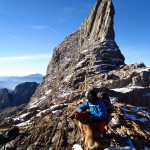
91	95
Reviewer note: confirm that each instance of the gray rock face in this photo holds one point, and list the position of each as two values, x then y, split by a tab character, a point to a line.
5	98
23	92
89	50
21	95
93	43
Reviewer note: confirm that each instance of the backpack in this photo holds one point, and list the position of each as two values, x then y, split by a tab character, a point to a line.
105	98
108	105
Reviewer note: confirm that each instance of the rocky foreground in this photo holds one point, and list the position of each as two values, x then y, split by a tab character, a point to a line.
53	128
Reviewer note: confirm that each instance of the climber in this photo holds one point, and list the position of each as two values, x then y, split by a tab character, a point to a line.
97	110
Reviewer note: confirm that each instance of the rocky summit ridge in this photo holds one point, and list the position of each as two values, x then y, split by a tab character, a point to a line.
89	57
89	51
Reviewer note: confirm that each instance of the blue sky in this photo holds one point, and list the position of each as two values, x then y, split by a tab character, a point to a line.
30	29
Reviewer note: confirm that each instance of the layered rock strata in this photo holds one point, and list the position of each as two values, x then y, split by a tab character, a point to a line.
89	51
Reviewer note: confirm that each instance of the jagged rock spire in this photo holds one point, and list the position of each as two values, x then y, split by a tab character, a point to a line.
89	51
99	23
97	28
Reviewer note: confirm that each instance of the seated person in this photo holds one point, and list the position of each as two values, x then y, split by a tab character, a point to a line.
97	109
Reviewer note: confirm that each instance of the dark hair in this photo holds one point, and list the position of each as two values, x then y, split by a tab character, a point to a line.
104	96
93	93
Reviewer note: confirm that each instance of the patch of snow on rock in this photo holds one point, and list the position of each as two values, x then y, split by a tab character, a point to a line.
84	51
52	108
113	121
55	111
139	70
22	116
124	148
36	102
66	92
68	78
122	90
80	63
77	147
41	112
24	123
127	89
48	92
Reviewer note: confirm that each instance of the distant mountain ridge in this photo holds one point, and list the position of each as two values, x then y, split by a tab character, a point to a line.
10	82
21	95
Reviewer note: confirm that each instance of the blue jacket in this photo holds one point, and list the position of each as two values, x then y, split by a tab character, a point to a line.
97	109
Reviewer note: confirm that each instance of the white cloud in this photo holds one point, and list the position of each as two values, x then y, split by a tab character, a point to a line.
38	27
19	73
23	58
42	27
68	9
52	29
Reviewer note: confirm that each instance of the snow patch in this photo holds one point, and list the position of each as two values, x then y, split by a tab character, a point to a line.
122	90
113	121
77	147
124	148
41	112
84	51
127	89
36	102
47	92
68	78
21	117
52	108
55	111
80	63
24	123
139	70
66	92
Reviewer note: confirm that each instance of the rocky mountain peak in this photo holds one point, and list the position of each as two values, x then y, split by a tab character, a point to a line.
88	57
89	51
96	34
21	95
99	23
